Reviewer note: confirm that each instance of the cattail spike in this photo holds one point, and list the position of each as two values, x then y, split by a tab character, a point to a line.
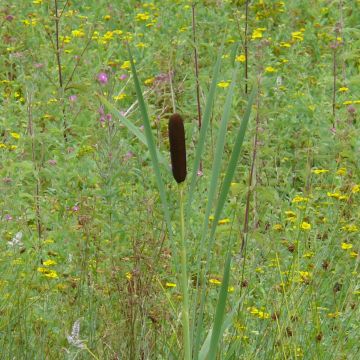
177	147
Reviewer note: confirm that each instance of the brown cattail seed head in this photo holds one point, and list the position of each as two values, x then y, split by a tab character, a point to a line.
177	147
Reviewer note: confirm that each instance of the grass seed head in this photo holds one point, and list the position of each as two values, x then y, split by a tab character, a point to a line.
177	147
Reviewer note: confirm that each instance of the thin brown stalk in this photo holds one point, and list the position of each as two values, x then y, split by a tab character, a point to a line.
33	158
251	176
66	87
196	64
58	59
246	44
334	85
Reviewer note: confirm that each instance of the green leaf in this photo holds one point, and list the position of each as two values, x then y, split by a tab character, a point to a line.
220	310
221	201
153	152
132	128
204	126
215	175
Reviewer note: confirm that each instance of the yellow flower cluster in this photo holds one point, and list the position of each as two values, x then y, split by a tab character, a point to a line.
258	313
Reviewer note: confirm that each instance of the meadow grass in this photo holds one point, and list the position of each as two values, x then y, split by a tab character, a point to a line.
99	259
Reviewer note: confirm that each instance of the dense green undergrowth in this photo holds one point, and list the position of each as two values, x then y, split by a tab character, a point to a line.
87	266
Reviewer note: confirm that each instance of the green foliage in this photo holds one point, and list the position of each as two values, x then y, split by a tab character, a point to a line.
89	225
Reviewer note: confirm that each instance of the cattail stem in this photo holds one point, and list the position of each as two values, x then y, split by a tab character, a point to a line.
184	278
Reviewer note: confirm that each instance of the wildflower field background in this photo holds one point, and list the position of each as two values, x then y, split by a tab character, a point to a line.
89	265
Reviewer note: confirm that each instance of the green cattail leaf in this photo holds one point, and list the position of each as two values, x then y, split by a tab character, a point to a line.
131	127
220	310
221	200
225	325
153	152
230	171
215	175
205	124
177	147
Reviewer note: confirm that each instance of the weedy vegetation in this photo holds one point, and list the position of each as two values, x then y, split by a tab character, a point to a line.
179	179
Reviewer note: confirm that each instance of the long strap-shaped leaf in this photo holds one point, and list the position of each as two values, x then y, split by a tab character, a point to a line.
220	310
132	128
230	171
204	126
228	321
216	168
153	154
215	175
220	205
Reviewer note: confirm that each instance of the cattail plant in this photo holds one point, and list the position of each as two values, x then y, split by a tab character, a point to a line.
178	163
210	344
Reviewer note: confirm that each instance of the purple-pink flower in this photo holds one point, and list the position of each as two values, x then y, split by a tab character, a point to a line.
102	78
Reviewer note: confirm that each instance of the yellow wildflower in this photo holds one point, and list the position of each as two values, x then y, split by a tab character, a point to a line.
355	188
149	81
223	84
78	33
270	69
297	35
224	221
305	226
346	246
343	89
49	262
170	285
277	227
48	273
257	33
15	135
341	171
215	281
107	17
319	171
350	228
334	315
240	58
308	254
141	45
142	16
299	198
285	44
119	97
125	65
335	195
291	216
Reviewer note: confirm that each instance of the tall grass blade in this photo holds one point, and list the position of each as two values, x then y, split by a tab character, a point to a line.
232	165
153	154
204	126
221	201
215	174
220	309
225	325
132	128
